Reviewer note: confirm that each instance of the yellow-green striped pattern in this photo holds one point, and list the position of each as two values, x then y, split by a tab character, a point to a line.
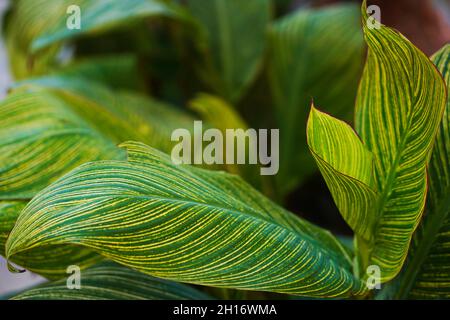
234	34
185	224
347	167
427	270
50	262
119	114
314	54
109	281
400	104
41	138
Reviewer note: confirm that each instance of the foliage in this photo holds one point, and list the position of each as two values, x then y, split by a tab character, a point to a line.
86	179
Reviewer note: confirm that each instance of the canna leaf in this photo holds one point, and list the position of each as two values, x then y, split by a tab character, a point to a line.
109	281
426	274
347	167
121	115
314	53
235	34
185	224
399	107
41	138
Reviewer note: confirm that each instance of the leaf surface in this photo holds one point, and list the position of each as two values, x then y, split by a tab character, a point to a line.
347	167
399	108
185	224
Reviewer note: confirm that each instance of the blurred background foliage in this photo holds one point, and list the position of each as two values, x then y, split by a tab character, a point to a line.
138	69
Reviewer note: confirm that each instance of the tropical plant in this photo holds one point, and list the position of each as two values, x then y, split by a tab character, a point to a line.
86	179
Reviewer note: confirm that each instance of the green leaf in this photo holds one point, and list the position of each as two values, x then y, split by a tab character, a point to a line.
103	15
314	54
50	262
185	224
235	34
347	168
426	274
41	138
121	115
109	281
399	107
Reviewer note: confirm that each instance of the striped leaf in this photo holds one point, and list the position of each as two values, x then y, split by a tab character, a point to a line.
314	54
109	281
347	167
121	115
41	138
50	262
235	33
426	274
398	110
185	224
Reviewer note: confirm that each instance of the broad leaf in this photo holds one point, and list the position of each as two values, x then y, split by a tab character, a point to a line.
347	168
398	110
109	281
121	115
41	138
426	273
314	54
235	33
185	224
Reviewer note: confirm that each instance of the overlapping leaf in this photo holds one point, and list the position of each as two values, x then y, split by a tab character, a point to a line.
400	104
109	281
185	224
427	271
315	53
235	33
347	168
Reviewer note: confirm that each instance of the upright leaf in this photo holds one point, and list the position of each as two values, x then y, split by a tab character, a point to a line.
398	110
347	167
185	224
235	33
109	281
314	54
427	271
